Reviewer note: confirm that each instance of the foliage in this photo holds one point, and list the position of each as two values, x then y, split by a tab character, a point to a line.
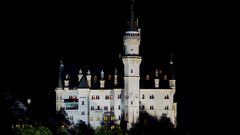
149	125
41	130
103	130
61	118
82	128
106	130
63	131
27	129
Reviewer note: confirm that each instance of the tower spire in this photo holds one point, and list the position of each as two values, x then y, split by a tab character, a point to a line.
171	66
172	80
60	81
133	23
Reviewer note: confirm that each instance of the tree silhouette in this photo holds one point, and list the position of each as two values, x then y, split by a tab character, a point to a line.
149	125
27	129
81	128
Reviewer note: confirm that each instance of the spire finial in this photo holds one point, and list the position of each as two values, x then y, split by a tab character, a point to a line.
102	74
60	82
171	58
115	71
80	71
61	64
133	26
156	73
172	66
88	72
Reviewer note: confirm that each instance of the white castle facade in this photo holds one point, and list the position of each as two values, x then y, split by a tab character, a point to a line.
92	105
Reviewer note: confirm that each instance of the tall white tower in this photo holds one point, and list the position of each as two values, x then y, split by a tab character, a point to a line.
131	61
172	80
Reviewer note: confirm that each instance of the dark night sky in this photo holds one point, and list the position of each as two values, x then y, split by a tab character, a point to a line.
35	36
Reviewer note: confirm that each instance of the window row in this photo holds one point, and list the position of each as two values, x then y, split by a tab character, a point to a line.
166	97
152	97
72	97
105	108
142	107
105	118
108	96
71	105
97	97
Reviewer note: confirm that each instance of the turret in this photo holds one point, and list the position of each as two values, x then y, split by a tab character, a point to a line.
89	78
115	77
131	61
156	80
102	81
66	82
60	81
80	75
172	80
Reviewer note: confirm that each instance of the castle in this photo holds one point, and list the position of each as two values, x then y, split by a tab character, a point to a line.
93	99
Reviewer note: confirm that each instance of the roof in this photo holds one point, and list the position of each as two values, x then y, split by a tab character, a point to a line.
83	82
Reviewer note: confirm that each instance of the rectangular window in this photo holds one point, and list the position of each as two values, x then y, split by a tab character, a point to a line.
82	113
105	118
82	102
112	118
71	105
105	108
151	107
106	96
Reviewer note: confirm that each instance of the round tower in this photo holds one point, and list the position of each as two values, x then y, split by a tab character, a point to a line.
131	61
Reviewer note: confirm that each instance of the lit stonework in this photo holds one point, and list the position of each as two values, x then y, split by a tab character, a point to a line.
90	104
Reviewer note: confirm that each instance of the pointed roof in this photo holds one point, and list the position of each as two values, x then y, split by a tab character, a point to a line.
115	72
80	71
156	73
83	82
60	81
102	75
172	67
133	22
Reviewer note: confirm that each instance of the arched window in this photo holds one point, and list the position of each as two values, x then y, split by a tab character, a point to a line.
143	96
